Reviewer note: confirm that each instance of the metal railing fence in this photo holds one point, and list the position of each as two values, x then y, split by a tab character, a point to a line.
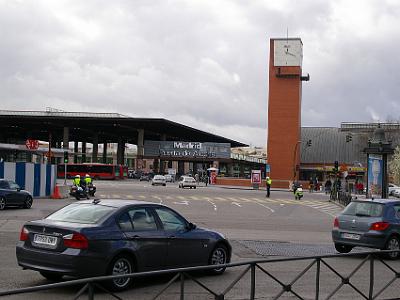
284	286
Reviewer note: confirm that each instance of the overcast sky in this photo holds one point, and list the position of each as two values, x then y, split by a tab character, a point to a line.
200	63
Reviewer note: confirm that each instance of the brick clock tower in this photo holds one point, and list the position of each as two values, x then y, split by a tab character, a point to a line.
284	109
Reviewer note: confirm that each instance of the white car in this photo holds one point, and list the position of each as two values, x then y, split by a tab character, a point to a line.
187	181
396	193
159	180
170	178
393	189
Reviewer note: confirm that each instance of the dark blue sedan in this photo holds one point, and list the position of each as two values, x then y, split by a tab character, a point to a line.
11	194
110	237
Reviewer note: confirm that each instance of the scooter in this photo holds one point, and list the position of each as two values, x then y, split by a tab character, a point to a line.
298	194
78	192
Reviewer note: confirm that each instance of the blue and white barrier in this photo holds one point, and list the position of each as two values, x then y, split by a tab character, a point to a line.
39	179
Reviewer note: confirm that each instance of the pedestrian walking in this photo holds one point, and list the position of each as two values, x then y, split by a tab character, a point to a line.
268	182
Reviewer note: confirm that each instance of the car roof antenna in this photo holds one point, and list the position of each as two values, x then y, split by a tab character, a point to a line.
96	201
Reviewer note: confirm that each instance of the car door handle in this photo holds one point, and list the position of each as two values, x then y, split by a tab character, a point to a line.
172	237
135	237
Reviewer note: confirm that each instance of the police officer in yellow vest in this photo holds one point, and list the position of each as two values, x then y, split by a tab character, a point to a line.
88	180
77	180
268	182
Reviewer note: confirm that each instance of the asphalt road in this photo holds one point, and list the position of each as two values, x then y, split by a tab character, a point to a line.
258	227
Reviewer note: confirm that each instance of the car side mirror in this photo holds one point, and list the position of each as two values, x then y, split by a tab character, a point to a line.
191	226
18	189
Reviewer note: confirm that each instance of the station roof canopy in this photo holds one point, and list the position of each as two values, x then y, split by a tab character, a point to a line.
110	128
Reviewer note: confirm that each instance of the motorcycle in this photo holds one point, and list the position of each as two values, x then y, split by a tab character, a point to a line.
91	189
298	193
78	192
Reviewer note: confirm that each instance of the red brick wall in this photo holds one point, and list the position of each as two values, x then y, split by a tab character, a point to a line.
284	121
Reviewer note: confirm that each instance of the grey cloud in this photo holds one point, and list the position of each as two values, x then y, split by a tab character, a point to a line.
202	63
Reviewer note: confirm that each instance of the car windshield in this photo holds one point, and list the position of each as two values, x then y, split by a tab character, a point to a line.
86	213
364	209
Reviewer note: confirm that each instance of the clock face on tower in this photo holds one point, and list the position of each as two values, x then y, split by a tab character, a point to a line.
288	52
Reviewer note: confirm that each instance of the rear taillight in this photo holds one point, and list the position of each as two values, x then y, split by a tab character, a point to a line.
76	241
336	223
379	226
24	235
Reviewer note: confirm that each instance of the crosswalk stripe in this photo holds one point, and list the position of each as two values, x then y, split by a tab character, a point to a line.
245	199
218	198
142	197
194	198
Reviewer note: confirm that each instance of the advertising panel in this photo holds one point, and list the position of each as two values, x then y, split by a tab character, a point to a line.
256	178
375	175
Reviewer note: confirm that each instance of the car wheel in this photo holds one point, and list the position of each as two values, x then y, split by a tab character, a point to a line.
393	244
218	256
343	248
2	203
28	202
120	265
51	276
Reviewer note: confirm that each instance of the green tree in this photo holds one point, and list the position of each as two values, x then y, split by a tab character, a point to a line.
394	165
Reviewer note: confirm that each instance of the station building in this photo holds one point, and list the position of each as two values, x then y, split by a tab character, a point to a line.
147	144
320	147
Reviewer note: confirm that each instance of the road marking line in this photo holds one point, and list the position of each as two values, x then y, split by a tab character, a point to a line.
267	207
185	202
142	197
116	196
129	196
194	198
212	203
217	198
237	204
158	198
245	199
181	197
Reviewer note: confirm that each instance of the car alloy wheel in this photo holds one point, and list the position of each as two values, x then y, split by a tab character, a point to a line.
2	203
28	202
219	256
121	265
393	244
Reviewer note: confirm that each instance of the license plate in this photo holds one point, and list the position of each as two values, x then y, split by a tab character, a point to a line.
45	240
351	236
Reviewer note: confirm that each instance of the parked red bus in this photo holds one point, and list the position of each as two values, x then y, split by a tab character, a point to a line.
96	171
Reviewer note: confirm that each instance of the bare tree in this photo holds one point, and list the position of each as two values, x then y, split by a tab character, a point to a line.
394	165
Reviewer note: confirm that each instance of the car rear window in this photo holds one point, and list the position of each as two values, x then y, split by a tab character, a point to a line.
86	213
364	209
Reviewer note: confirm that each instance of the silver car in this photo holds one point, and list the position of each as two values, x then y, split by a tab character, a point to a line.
159	180
373	223
187	181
